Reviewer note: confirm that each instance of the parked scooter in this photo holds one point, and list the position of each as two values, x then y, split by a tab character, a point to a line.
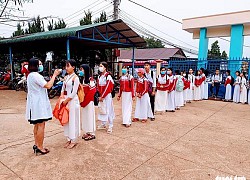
22	84
56	89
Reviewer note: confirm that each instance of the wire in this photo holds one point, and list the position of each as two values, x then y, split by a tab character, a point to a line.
172	18
82	9
230	41
122	11
146	32
96	12
155	12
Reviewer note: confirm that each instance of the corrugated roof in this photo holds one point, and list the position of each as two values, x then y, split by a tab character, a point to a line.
117	25
151	54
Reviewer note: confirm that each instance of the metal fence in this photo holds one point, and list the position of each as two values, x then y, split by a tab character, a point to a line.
241	65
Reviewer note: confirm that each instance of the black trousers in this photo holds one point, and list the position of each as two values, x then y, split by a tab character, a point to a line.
217	88
152	102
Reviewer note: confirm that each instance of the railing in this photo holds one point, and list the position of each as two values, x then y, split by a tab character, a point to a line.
242	65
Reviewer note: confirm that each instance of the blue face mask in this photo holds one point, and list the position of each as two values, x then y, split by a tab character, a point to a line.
163	72
124	71
81	73
40	68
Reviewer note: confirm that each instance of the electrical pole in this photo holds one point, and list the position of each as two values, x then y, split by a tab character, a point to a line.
116	9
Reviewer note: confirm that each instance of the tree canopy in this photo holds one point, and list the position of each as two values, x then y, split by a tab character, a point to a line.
214	52
153	43
56	25
87	19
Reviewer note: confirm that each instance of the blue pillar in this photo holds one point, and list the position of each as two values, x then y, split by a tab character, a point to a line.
236	48
11	62
133	61
68	49
203	49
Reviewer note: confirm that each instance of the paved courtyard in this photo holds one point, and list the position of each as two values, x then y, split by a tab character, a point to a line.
201	141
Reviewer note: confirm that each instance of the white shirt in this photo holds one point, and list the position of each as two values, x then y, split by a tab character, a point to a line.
151	79
217	78
162	80
38	105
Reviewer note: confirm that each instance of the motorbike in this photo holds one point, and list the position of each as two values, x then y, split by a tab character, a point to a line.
56	89
5	79
22	84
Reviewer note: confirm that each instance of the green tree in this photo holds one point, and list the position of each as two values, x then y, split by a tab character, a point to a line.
102	18
224	55
36	26
153	43
19	31
87	19
56	25
214	53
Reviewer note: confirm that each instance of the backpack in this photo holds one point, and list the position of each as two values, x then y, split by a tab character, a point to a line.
96	98
179	84
232	81
150	85
80	91
113	90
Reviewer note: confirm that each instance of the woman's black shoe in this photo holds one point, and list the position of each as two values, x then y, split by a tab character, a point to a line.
34	148
41	152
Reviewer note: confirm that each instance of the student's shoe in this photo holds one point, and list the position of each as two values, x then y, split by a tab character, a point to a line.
152	119
109	131
101	127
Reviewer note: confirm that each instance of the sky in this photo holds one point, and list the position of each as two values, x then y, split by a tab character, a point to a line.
163	27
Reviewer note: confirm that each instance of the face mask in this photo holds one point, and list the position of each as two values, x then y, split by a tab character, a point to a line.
168	72
26	66
124	71
101	69
81	73
184	74
163	72
40	68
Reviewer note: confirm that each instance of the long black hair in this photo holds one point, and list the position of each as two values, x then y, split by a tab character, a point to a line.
33	65
196	73
72	62
87	73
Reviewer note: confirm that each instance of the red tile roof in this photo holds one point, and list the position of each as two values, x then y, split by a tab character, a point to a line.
152	54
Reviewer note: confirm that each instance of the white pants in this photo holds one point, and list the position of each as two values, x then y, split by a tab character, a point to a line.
228	95
161	100
88	118
127	103
171	101
185	94
190	94
143	108
205	94
179	99
243	95
110	115
197	93
72	129
236	96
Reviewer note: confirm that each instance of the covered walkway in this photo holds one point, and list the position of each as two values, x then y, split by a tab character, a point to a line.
112	34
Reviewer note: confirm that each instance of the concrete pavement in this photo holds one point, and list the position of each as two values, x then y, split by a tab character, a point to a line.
201	141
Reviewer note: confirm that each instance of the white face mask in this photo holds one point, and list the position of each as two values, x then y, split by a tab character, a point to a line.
101	69
168	72
184	74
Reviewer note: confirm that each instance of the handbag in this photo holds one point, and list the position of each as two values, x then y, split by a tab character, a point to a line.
102	108
96	98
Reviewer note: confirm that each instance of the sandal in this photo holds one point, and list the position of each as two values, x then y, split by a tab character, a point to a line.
90	137
72	145
127	125
85	135
135	119
67	144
